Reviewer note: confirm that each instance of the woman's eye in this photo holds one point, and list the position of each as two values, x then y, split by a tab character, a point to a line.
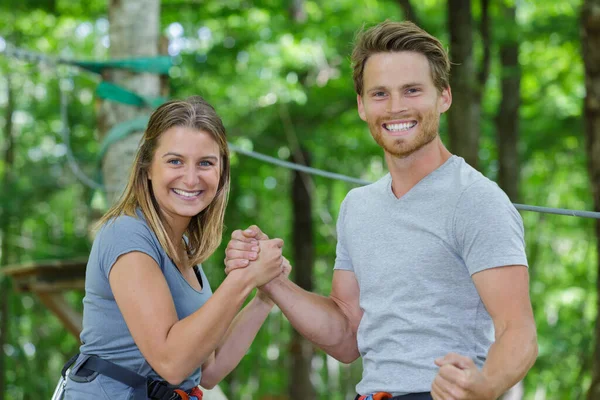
174	162
206	163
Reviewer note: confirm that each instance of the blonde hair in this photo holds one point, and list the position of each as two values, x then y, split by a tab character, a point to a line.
388	37
204	232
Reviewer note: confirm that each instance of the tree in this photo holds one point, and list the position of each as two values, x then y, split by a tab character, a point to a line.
462	116
6	182
507	119
134	32
590	39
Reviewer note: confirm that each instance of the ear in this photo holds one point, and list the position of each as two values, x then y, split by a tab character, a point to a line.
149	173
361	108
445	100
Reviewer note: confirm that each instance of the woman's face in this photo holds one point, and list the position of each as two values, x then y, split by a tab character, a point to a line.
184	173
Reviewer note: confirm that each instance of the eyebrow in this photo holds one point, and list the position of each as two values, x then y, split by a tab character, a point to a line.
404	87
172	154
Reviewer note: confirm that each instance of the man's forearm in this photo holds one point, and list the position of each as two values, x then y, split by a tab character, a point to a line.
510	357
318	318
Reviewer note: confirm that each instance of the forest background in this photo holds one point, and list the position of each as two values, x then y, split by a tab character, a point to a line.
278	72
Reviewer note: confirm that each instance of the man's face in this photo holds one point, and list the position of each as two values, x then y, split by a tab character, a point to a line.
400	102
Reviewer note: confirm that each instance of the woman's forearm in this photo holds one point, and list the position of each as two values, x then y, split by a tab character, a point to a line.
236	341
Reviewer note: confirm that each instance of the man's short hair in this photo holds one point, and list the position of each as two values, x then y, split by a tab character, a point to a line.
390	36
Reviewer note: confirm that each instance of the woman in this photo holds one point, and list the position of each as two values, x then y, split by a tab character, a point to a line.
148	307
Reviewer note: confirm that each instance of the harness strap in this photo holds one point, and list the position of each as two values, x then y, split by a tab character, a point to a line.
115	372
144	388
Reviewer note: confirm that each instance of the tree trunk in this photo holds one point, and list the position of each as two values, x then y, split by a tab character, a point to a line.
590	39
409	11
463	116
301	350
507	127
507	119
134	32
6	183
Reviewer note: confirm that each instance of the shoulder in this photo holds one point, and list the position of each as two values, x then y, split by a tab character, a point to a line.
124	225
474	190
362	193
127	232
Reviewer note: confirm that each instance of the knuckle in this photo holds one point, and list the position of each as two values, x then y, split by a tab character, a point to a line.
457	393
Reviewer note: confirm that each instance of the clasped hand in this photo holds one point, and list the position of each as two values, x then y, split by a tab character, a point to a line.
252	247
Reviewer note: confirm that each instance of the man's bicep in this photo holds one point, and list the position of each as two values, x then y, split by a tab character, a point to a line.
346	294
505	294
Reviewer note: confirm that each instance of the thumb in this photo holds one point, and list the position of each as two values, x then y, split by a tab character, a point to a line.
277	242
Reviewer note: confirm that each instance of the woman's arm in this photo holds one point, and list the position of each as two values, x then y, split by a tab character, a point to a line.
175	348
239	337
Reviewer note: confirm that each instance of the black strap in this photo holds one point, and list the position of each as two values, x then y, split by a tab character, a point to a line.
115	372
143	387
68	364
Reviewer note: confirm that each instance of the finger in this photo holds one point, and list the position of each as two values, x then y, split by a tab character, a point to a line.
455	359
238	235
438	393
277	242
254	231
232	254
242	246
451	373
235	264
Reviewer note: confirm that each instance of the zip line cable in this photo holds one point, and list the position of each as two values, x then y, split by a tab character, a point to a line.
29	56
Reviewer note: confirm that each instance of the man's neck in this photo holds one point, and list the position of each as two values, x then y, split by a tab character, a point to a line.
408	171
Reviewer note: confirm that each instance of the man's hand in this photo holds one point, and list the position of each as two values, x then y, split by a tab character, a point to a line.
460	379
286	268
243	248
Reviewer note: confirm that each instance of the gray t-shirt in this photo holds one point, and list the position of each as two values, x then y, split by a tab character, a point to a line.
413	259
105	333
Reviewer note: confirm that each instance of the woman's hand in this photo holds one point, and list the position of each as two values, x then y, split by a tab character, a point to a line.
243	248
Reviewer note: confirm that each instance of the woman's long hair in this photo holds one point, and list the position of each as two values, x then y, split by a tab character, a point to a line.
204	232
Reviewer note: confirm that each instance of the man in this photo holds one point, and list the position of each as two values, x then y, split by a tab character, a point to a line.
430	284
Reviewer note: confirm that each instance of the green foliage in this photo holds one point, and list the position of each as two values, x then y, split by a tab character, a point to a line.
279	84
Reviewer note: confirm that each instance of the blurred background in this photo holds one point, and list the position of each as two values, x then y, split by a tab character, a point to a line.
278	72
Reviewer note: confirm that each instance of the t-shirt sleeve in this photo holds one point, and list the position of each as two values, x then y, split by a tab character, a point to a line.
342	258
488	229
124	235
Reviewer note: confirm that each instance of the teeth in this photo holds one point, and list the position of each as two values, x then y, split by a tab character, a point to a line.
186	194
400	127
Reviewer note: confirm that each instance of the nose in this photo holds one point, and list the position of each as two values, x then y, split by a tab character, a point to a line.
190	177
396	104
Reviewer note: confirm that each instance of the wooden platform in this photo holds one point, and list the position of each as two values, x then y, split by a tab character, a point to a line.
48	280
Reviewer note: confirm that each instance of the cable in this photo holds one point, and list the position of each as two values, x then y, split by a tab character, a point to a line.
331	175
298	167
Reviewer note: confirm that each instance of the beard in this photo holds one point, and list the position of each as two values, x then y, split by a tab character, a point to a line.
402	147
